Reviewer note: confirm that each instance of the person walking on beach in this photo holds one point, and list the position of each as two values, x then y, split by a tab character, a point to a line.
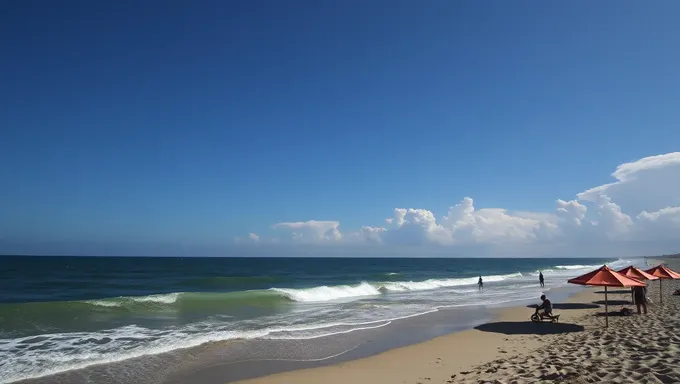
640	299
540	279
481	284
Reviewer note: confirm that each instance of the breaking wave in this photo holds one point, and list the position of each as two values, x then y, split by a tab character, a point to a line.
328	293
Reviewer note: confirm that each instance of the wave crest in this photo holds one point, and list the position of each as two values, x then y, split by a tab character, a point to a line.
570	267
402	286
329	293
168	298
576	268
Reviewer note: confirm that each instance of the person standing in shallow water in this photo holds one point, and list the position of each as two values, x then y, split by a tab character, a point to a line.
540	279
481	284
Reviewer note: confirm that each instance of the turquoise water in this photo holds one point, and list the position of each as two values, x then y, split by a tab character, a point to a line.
60	313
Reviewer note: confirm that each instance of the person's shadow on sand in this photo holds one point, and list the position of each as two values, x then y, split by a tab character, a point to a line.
616	292
613	314
567	306
529	328
613	302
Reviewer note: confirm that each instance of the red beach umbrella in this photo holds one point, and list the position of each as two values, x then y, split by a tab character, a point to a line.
662	272
637	273
606	277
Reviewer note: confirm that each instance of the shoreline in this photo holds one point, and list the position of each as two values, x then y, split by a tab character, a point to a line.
403	334
512	348
437	359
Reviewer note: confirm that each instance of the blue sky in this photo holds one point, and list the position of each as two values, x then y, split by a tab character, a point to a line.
144	127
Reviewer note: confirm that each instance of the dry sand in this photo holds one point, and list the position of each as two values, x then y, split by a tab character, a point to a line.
578	349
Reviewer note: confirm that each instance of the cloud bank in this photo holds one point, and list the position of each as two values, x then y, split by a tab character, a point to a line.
641	205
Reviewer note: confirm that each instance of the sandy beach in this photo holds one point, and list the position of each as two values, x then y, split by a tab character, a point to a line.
511	349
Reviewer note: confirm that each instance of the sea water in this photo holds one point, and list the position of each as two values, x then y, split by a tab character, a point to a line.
64	313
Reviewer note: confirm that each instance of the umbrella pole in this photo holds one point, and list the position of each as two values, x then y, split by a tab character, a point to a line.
660	292
606	308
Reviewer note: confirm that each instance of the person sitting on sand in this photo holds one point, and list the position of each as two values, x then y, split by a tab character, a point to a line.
640	299
480	283
546	306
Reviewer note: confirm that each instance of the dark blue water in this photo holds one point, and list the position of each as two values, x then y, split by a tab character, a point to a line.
60	313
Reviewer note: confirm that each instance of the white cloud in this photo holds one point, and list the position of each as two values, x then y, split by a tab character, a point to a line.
312	231
572	211
465	225
373	234
494	225
612	221
661	224
650	184
642	204
671	214
415	226
253	237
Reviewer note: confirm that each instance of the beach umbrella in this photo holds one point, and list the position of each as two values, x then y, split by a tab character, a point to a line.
606	277
637	273
663	272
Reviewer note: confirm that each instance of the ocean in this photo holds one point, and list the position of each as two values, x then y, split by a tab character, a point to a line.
64	313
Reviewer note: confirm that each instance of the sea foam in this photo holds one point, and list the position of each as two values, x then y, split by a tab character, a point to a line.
325	293
328	293
123	301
